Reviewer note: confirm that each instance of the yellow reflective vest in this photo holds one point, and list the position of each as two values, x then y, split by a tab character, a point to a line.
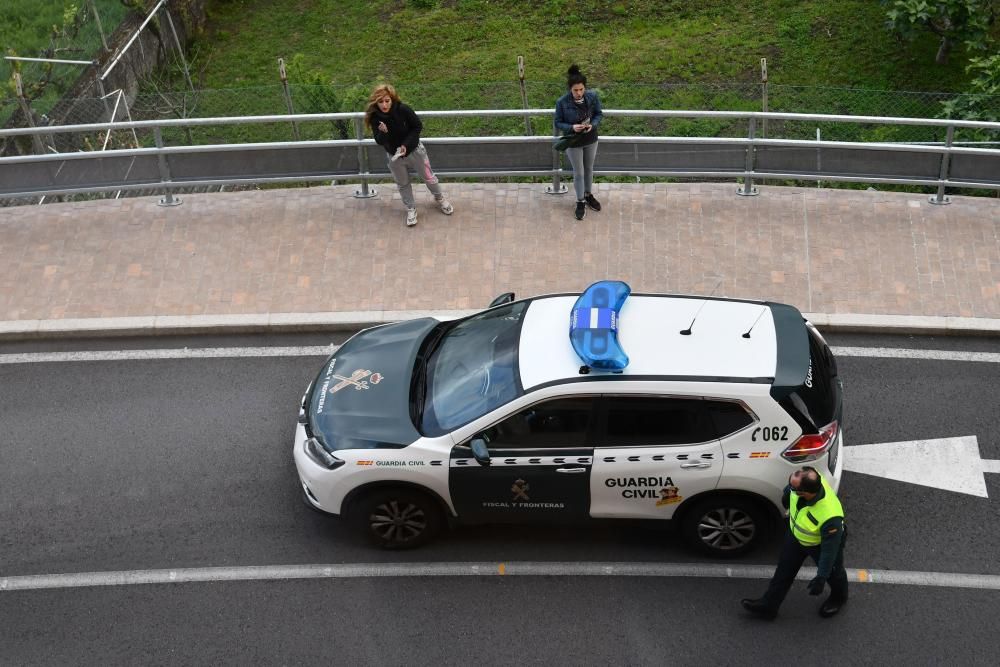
806	521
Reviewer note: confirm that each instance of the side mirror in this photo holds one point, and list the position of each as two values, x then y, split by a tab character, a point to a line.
506	297
480	451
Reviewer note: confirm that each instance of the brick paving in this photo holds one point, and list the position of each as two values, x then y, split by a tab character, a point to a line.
319	249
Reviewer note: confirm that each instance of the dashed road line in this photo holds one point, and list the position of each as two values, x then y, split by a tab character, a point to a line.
486	569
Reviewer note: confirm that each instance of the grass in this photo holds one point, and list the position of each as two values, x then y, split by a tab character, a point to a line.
823	57
807	42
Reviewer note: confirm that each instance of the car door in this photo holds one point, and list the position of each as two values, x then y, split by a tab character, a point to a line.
651	453
539	468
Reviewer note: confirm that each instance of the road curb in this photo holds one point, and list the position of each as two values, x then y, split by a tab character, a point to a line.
171	325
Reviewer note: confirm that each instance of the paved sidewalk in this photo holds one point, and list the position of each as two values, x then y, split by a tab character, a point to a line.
320	250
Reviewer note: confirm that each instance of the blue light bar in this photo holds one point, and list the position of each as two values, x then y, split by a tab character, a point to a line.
593	325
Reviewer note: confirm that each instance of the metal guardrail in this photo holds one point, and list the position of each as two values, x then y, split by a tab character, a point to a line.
750	157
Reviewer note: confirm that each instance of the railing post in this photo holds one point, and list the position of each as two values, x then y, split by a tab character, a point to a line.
364	192
819	157
283	75
940	198
169	199
557	187
748	190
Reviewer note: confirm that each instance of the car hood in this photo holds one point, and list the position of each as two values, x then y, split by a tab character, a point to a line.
361	398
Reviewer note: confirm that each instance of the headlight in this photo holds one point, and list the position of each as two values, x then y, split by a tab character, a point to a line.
319	455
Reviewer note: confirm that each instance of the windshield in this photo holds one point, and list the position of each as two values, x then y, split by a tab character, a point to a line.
473	370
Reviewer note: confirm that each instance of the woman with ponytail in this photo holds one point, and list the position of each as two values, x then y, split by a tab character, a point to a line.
578	112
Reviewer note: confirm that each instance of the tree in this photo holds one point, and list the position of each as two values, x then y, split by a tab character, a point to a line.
954	21
982	102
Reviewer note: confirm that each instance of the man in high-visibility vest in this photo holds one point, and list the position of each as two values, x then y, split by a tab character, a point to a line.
815	529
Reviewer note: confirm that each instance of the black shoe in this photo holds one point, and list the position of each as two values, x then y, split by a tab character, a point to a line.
592	202
581	210
758	608
831	607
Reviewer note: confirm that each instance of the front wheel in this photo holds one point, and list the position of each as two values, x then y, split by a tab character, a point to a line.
724	526
398	518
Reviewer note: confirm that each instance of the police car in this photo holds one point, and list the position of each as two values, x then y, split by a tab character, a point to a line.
574	407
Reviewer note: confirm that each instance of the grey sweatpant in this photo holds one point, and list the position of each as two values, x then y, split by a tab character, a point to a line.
582	160
418	162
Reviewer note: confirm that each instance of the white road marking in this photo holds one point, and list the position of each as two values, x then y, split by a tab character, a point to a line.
325	350
509	569
951	464
904	353
178	353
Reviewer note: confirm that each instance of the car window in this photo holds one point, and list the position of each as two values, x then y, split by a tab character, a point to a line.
728	417
563	422
651	420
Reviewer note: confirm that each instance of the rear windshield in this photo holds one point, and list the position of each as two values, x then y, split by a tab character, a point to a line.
818	398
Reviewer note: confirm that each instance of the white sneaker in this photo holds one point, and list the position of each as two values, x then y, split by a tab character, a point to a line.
411	217
445	206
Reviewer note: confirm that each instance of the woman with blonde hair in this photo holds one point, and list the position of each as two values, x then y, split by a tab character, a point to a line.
396	128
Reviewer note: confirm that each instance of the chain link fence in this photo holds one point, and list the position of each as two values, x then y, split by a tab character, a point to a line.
271	100
81	36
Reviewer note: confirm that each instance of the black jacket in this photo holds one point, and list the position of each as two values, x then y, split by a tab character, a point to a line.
403	125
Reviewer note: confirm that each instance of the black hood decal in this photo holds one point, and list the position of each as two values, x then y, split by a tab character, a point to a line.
361	397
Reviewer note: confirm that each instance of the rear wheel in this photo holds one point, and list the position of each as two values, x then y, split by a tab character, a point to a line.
724	526
397	518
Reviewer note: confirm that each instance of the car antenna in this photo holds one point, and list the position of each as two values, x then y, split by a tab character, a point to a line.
687	332
762	310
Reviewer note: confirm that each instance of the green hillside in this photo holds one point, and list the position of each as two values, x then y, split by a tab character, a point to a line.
806	42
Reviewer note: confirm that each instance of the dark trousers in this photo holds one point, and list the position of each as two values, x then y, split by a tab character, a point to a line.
792	556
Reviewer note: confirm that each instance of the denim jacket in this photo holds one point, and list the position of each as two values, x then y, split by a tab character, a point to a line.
567	114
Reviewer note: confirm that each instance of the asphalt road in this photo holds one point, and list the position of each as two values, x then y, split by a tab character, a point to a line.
132	465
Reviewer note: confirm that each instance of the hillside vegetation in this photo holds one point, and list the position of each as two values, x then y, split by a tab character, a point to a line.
806	42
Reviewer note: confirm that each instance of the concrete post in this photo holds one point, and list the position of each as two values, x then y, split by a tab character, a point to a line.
524	95
22	102
180	51
283	75
100	28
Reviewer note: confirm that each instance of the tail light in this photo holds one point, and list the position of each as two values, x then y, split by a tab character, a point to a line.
811	447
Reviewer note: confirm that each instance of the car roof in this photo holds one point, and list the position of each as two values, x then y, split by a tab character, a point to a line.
649	333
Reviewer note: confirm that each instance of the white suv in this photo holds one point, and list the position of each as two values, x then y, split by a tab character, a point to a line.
502	417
